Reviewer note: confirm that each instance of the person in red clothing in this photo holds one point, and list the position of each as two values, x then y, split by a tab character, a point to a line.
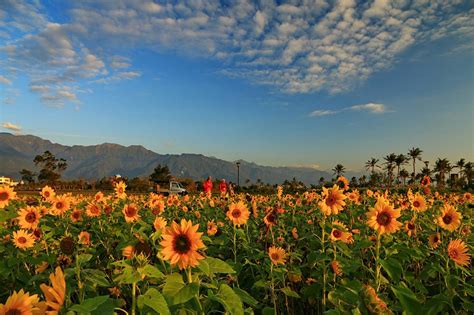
223	187
208	185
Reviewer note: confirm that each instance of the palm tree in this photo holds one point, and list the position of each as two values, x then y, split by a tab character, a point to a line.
372	164
404	175
415	154
321	181
389	166
362	180
460	164
468	173
338	170
400	160
441	167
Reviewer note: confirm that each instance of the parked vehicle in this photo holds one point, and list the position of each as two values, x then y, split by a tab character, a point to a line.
172	187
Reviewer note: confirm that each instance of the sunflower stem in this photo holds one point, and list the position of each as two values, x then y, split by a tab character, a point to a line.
134	297
235	244
273	288
377	264
323	236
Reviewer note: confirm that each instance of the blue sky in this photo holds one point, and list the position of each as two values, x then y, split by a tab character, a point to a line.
277	83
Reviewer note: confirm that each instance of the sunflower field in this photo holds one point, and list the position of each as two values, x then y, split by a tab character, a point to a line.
332	251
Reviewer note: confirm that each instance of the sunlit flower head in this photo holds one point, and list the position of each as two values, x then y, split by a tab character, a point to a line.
93	210
383	217
60	205
458	252
48	193
6	194
23	239
21	303
55	293
418	203
238	213
130	212
28	217
119	188
181	243
449	219
159	224
332	200
434	240
277	255
342	182
211	228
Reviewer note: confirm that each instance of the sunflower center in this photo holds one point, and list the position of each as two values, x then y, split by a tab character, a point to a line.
411	226
14	311
453	254
182	244
330	201
447	219
46	194
416	204
236	213
435	239
59	205
384	219
131	211
22	240
336	233
275	256
30	217
120	190
3	196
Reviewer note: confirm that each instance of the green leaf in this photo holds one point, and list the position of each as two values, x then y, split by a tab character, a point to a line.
151	272
268	311
245	297
96	277
176	291
290	292
83	258
393	268
436	304
407	299
153	299
229	299
90	305
216	266
128	276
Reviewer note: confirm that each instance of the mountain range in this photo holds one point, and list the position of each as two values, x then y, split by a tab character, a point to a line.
96	161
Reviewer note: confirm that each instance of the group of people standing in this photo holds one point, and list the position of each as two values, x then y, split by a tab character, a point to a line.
207	186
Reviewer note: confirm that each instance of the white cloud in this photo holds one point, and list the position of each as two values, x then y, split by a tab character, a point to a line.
371	107
10	126
302	47
375	108
322	112
4	80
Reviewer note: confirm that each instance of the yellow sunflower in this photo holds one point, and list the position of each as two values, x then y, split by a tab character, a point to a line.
120	190
55	295
6	194
450	219
99	197
159	224
211	228
23	239
48	193
434	240
277	255
458	252
21	303
28	218
343	182
333	200
131	212
410	227
93	210
238	213
60	205
418	203
181	243
383	218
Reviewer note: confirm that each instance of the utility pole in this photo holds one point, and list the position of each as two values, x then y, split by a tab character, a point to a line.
238	174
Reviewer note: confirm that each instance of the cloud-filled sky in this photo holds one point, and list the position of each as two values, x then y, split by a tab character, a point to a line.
279	83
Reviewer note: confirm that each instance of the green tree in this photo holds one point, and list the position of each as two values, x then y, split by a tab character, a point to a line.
400	160
339	170
389	166
27	176
51	167
372	164
414	154
442	166
160	174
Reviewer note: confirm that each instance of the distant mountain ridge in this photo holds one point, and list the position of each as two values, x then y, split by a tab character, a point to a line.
107	159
